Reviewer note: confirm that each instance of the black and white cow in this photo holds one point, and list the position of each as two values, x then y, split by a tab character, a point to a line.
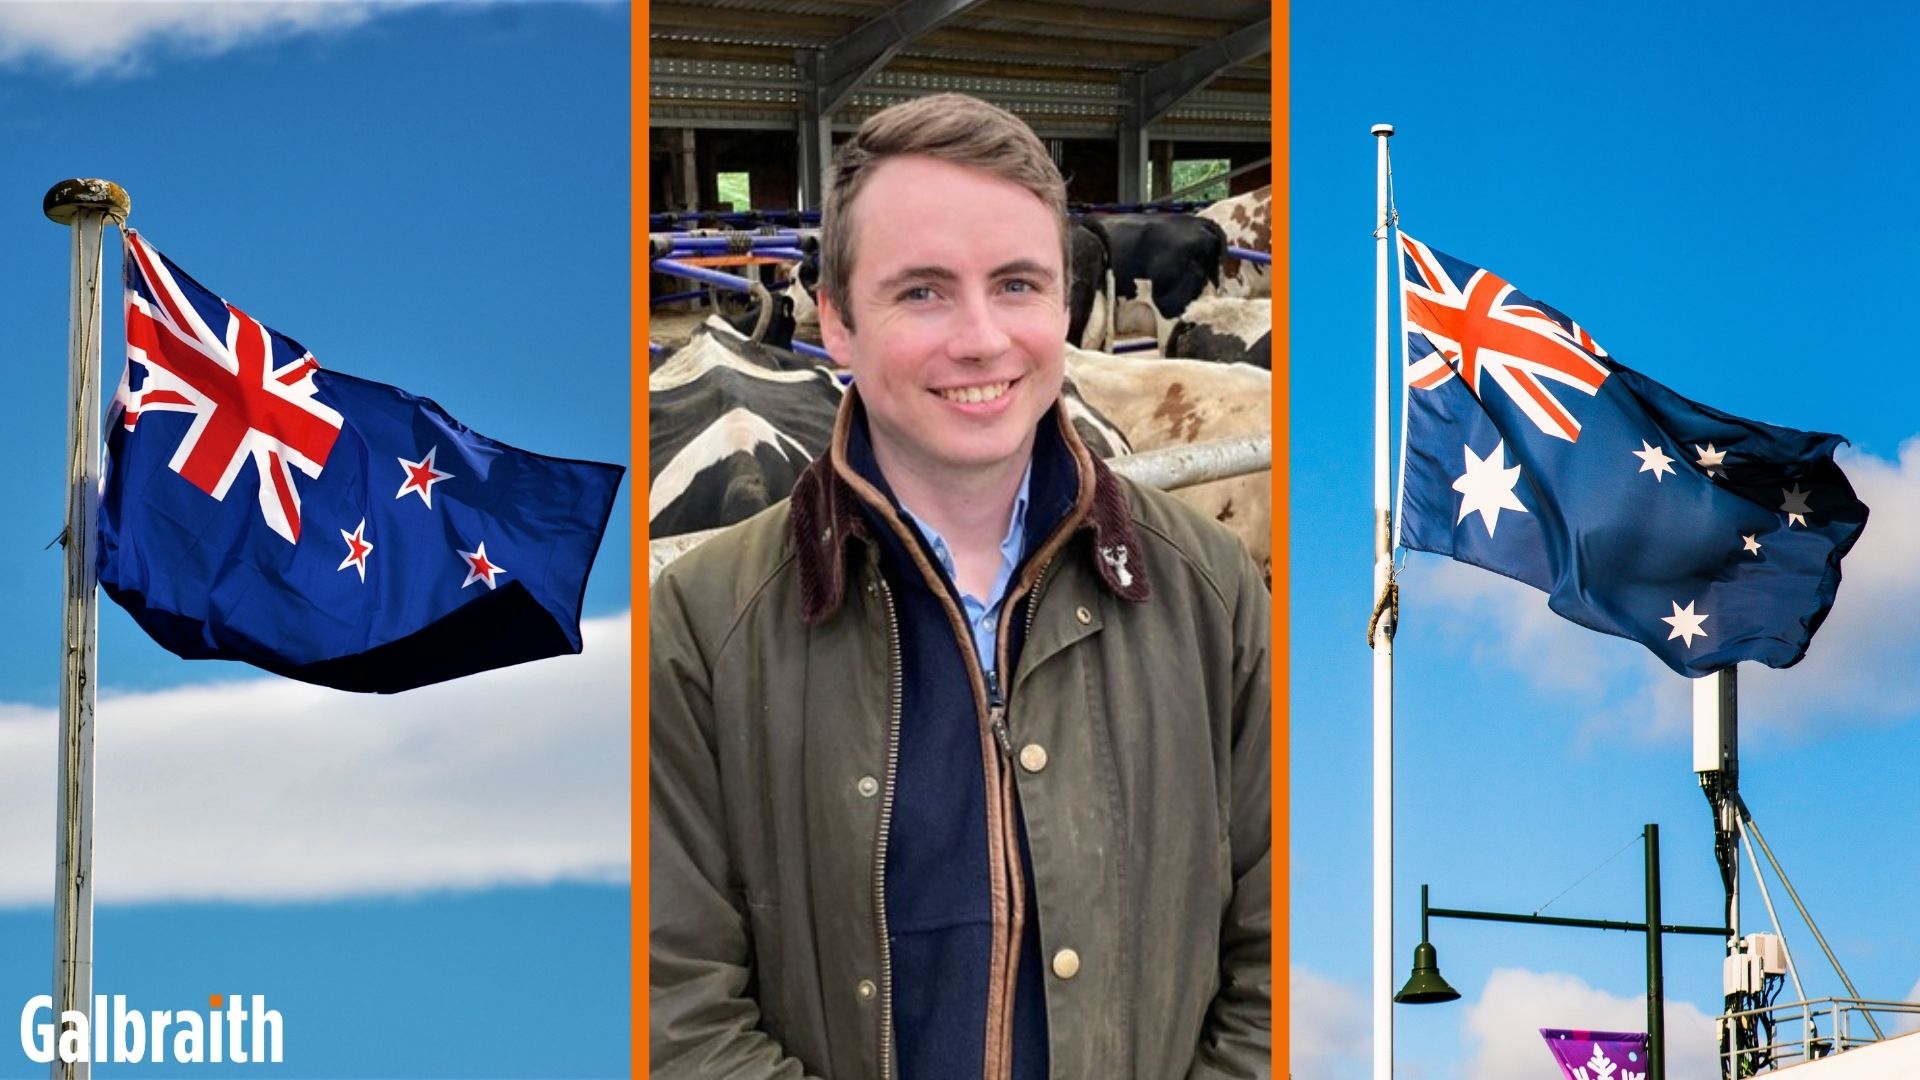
729	430
1226	330
1161	263
760	315
1091	269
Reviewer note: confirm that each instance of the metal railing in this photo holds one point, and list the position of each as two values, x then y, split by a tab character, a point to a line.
1823	1027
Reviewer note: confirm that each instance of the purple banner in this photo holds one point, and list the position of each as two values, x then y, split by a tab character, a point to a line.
1598	1055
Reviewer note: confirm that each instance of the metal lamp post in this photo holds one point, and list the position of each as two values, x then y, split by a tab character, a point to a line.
1427	987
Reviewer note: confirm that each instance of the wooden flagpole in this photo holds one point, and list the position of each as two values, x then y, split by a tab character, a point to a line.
86	206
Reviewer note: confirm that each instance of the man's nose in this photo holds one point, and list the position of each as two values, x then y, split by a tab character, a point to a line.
977	333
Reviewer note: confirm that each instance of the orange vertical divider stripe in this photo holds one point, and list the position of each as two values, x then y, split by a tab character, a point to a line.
1282	370
637	78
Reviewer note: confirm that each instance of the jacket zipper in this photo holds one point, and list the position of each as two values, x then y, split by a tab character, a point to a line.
886	819
1003	735
997	715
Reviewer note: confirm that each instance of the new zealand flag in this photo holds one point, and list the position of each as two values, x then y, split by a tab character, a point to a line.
328	528
1529	451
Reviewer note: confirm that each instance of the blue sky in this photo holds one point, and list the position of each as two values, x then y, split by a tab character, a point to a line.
1714	191
433	196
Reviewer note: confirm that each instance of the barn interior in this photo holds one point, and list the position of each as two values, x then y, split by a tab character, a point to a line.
1135	102
1137	105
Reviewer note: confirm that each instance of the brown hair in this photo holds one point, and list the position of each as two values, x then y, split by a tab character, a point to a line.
954	128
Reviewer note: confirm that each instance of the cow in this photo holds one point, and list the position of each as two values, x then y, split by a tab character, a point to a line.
1091	270
1159	403
729	430
1225	330
1161	263
760	315
1247	221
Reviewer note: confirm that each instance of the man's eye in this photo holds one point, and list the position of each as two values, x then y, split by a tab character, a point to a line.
917	293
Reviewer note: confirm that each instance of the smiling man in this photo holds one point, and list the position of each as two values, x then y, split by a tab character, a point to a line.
960	755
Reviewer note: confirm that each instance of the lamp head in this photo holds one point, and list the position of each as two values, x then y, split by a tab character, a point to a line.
1425	986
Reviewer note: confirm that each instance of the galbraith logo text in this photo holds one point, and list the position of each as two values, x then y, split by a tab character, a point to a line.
161	1035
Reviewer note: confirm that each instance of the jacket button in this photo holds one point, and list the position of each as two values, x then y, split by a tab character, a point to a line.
868	786
1083	615
866	989
1066	963
1033	757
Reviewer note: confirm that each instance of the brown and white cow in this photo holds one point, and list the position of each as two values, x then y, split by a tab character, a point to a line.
1158	403
1248	222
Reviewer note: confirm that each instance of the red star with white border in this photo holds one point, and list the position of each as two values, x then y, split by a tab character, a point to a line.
479	568
421	476
357	549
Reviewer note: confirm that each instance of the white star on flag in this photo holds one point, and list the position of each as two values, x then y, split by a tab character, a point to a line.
421	476
1487	486
479	568
1711	461
357	549
1795	506
1653	459
1751	543
1685	623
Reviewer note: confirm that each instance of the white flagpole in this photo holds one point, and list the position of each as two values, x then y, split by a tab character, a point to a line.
1381	633
86	206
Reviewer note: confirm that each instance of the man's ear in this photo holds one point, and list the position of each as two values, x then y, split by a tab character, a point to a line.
833	327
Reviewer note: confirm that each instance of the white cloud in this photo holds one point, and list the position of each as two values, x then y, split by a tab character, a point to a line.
100	38
1329	1029
270	789
1905	1023
1860	667
1505	1024
1858	671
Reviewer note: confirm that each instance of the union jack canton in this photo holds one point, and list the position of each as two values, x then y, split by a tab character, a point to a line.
1530	452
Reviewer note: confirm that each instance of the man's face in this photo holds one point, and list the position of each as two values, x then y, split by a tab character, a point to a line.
957	292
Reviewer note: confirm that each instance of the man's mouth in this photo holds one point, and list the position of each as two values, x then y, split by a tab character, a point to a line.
976	395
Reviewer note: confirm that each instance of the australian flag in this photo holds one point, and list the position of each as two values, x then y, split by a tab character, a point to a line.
1529	451
328	528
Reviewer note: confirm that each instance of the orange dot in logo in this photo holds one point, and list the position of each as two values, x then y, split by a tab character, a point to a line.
215	1000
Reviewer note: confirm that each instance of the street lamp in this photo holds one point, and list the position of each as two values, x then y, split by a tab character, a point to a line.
1427	987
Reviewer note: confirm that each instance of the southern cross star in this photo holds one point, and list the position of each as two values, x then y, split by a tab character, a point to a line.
421	476
1795	506
1711	461
479	568
1751	543
1487	486
1685	623
357	549
1653	459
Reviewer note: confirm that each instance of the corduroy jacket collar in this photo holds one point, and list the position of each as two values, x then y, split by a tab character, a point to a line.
827	517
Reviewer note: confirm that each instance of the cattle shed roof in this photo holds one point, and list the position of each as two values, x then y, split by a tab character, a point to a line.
1071	68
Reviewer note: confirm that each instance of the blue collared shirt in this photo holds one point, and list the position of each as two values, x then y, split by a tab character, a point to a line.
983	613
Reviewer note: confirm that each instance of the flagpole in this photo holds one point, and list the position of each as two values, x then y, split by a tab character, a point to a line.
1380	633
86	206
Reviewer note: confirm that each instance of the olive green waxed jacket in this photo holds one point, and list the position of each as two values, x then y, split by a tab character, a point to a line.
1137	748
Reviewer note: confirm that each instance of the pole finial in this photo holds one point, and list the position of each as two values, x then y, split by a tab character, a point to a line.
1383	129
67	198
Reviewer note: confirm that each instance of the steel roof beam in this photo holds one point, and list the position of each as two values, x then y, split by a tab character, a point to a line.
861	54
1165	86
